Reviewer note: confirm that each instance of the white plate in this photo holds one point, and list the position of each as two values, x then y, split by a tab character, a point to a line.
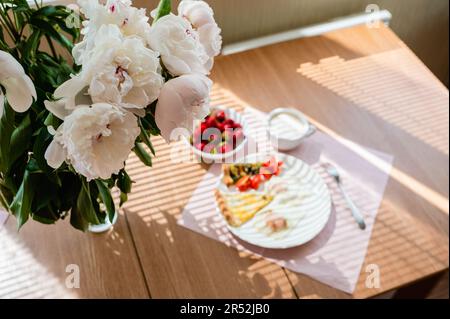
307	214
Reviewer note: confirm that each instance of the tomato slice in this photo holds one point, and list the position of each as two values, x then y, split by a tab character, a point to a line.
243	183
255	181
266	172
270	168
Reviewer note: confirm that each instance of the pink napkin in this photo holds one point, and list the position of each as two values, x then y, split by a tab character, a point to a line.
336	255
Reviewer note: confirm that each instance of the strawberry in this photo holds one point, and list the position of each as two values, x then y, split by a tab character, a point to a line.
203	127
220	116
215	137
228	126
220	126
211	122
229	122
225	148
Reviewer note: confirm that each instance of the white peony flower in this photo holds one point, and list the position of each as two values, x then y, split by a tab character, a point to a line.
66	97
179	45
19	88
211	39
95	140
130	20
201	16
74	7
199	13
121	71
182	101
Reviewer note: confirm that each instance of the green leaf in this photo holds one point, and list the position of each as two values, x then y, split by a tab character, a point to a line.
6	130
46	193
149	122
105	195
21	205
163	9
46	11
85	206
50	30
146	139
150	125
45	57
77	220
43	219
142	154
20	139
123	198
21	6
124	182
52	120
101	215
33	167
2	36
62	23
40	146
68	194
23	137
4	202
31	45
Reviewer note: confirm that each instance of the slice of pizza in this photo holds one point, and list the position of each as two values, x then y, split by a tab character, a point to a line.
239	208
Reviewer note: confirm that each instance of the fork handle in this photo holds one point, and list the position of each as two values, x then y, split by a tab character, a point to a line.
355	211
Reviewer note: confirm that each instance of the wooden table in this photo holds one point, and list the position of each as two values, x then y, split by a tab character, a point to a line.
362	84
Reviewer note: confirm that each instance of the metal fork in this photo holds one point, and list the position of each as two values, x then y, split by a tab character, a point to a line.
355	211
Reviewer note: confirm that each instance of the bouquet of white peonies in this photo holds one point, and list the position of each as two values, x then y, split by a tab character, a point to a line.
131	80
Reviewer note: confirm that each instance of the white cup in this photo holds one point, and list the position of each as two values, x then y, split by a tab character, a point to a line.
288	132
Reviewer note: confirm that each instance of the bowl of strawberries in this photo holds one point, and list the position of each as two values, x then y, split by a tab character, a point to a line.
220	135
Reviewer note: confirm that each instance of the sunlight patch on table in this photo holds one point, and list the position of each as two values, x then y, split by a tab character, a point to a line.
22	276
392	86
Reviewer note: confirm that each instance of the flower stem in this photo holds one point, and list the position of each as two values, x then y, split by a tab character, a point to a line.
52	47
2	20
8	23
3	202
